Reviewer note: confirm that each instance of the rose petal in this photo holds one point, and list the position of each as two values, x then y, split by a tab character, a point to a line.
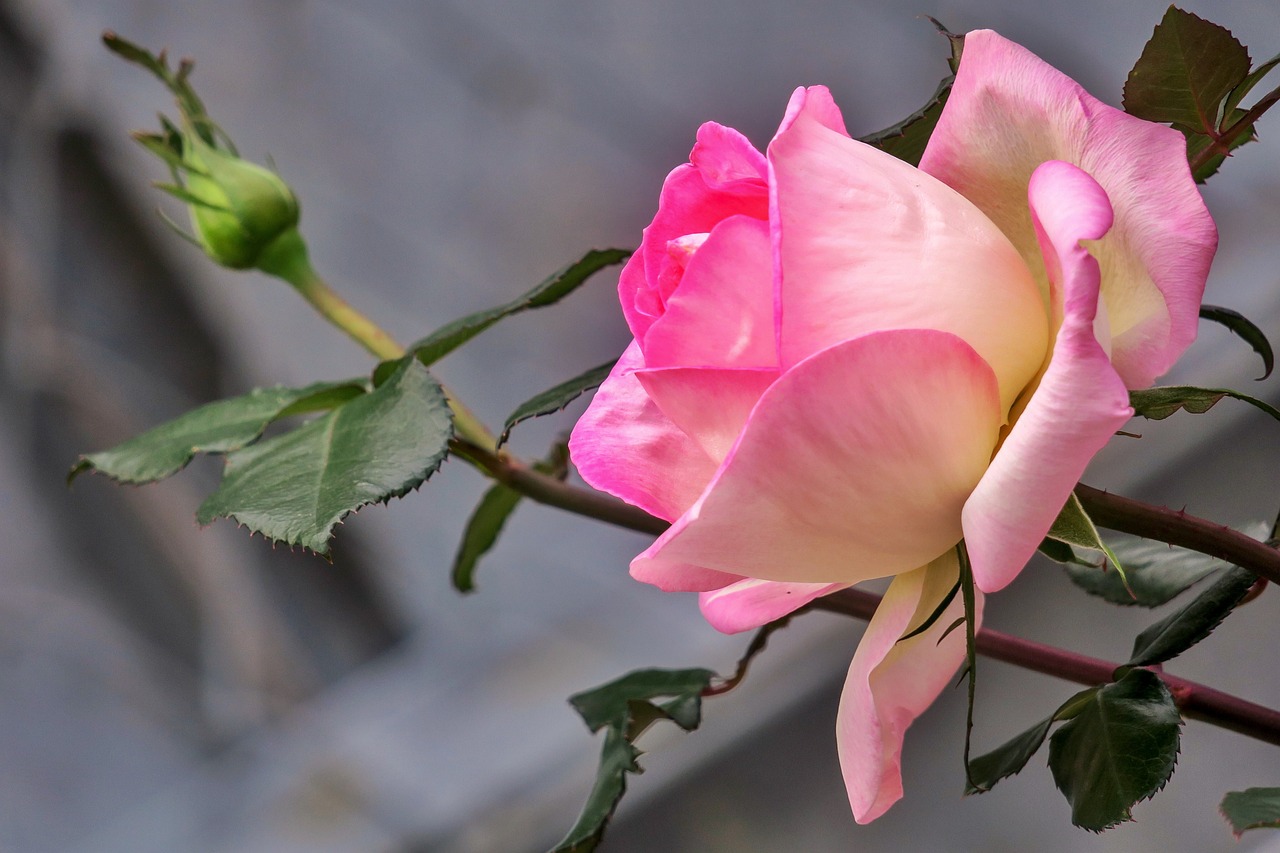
751	603
710	404
722	313
1008	112
853	465
890	683
867	243
625	446
692	202
1080	403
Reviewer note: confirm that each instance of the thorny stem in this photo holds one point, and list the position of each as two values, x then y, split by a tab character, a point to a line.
474	443
1196	701
1222	141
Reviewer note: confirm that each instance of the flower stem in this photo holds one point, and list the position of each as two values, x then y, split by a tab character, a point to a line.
292	264
1178	528
1222	141
1196	701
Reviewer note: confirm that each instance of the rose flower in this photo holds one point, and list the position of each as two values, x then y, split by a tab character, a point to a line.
843	365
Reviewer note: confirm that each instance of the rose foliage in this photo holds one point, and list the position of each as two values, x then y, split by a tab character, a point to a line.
844	365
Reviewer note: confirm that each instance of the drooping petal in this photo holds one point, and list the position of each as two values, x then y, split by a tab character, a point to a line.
853	465
717	184
1081	400
722	313
890	683
710	404
865	242
1008	112
625	446
751	603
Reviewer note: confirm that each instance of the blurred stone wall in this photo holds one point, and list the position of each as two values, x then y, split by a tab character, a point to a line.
169	688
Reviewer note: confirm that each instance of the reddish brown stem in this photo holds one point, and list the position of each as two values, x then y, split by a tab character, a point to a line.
1112	511
1196	701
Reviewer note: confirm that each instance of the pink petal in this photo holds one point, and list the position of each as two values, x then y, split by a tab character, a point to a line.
1080	402
710	404
890	683
695	198
854	465
751	603
722	313
866	243
625	446
1008	112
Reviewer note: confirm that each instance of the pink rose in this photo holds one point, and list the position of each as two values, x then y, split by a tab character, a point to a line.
843	364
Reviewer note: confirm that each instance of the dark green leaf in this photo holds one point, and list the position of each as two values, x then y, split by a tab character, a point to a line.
608	704
907	139
296	487
624	708
482	532
555	287
1186	71
1252	808
554	399
1244	327
219	427
1006	760
1179	631
1119	749
1161	402
1156	574
617	759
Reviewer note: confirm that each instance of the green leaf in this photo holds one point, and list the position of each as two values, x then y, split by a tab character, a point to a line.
554	399
1073	526
1241	325
219	427
1252	808
1186	71
1161	402
296	487
1156	573
491	514
907	139
555	287
610	704
1119	749
1179	631
625	707
482	532
1006	760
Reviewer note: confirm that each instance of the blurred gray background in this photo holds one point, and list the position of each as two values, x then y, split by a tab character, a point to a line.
167	688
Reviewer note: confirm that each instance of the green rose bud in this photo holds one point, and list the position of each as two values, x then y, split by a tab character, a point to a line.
244	216
239	210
